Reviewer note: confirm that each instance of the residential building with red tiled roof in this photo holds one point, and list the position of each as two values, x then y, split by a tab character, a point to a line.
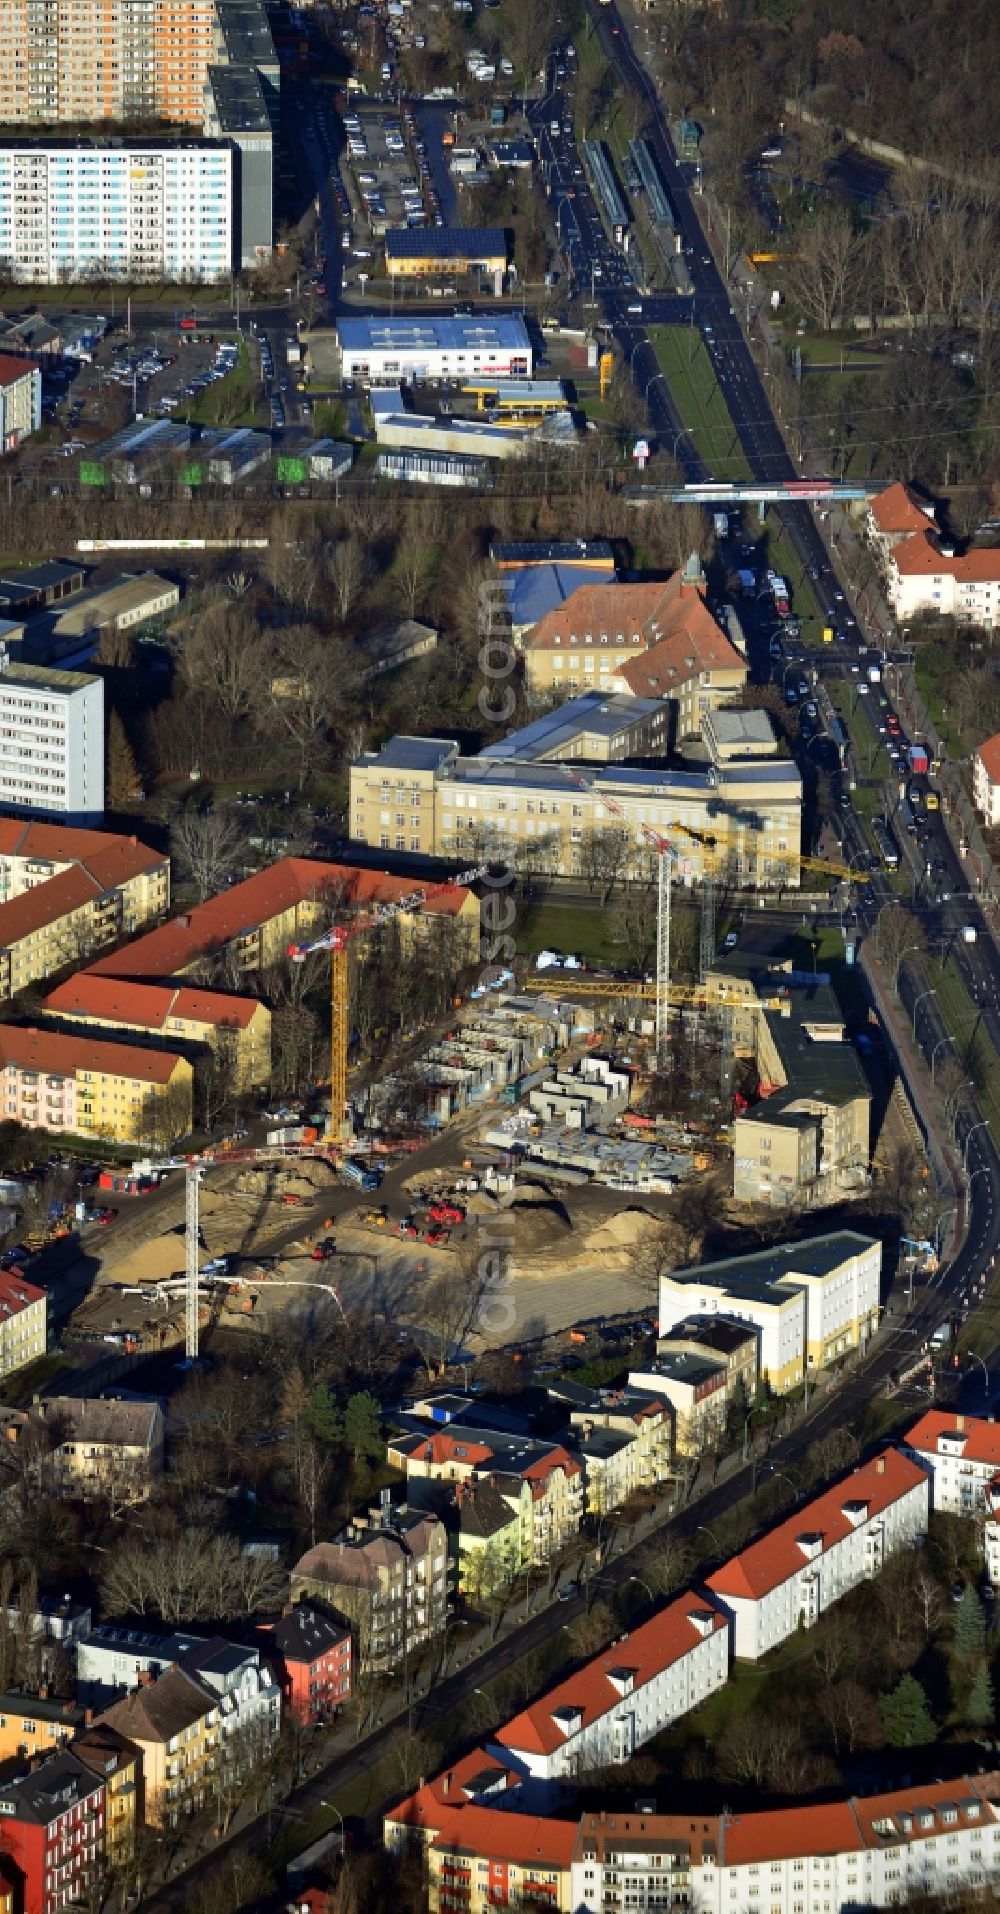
388	1575
479	1778
601	1714
485	1860
252	924
66	893
541	1483
51	1081
897	513
962	1454
827	1547
921	574
655	640
23	1321
191	1016
986	780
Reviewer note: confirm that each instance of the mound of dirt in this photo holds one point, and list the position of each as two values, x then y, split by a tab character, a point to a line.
623	1231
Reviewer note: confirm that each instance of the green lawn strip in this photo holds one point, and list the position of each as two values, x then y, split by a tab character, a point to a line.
228	403
972	1042
933	670
783	559
694	388
570	928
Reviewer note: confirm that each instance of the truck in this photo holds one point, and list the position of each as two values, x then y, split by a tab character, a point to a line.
874	674
721	522
355	1171
969	933
918	759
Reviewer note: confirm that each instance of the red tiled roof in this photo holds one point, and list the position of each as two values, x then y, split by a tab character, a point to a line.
442	1448
782	1833
245	907
117	1000
897	509
81	883
989	757
62	843
982	1438
523	1840
697	645
619	612
919	557
12	369
432	1805
538	1473
62	1056
644	1653
777	1555
16	1293
932	1798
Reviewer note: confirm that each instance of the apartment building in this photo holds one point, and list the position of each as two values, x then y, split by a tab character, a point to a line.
388	1575
717	1339
419	795
104	1448
477	1866
115	1658
73	60
808	1303
696	1389
134	209
59	910
895	515
49	1081
600	728
36	1725
51	738
843	1537
986	781
117	1764
54	1833
173	1720
311	1654
807	1138
251	925
237	1030
541	1482
962	1453
20	401
623	1436
23	1321
599	1716
486	1537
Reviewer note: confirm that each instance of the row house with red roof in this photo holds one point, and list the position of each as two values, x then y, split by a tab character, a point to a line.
621	1699
829	1546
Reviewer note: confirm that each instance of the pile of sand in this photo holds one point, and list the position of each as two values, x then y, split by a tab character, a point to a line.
621	1232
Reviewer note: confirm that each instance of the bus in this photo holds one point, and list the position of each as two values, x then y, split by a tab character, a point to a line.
886	843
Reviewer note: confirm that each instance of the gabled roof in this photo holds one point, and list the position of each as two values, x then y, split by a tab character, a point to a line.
162	1708
591	1692
621	613
117	1000
59	1055
919	1814
12	369
695	645
980	1438
898	509
16	1293
782	1833
522	1840
919	557
304	1634
824	1522
433	1805
66	844
49	1791
102	1419
989	757
245	907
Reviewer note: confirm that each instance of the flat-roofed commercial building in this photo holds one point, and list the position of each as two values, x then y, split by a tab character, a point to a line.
453	249
384	351
809	1302
419	794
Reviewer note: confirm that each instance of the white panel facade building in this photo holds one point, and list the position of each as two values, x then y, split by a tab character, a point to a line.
141	211
51	743
962	1454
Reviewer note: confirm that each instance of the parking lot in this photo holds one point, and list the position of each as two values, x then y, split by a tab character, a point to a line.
390	170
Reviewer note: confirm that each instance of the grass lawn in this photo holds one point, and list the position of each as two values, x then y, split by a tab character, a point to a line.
695	390
805	605
982	1331
28	1382
971	1041
569	928
934	667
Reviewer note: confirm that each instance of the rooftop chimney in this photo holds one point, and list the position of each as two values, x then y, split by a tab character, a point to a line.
880	1465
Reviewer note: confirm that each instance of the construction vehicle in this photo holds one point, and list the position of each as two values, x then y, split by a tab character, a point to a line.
324	1250
338	940
377	1218
445	1212
407	1227
437	1238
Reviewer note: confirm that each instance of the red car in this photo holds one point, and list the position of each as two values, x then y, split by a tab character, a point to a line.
437	1237
105	1216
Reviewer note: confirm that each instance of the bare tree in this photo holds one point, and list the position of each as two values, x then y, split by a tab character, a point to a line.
822	278
898	932
346	572
208	846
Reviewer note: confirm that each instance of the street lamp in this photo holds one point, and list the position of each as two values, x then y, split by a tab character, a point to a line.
931	991
650	385
703	1529
938	1046
955	1094
983	1124
644	1585
939	1232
